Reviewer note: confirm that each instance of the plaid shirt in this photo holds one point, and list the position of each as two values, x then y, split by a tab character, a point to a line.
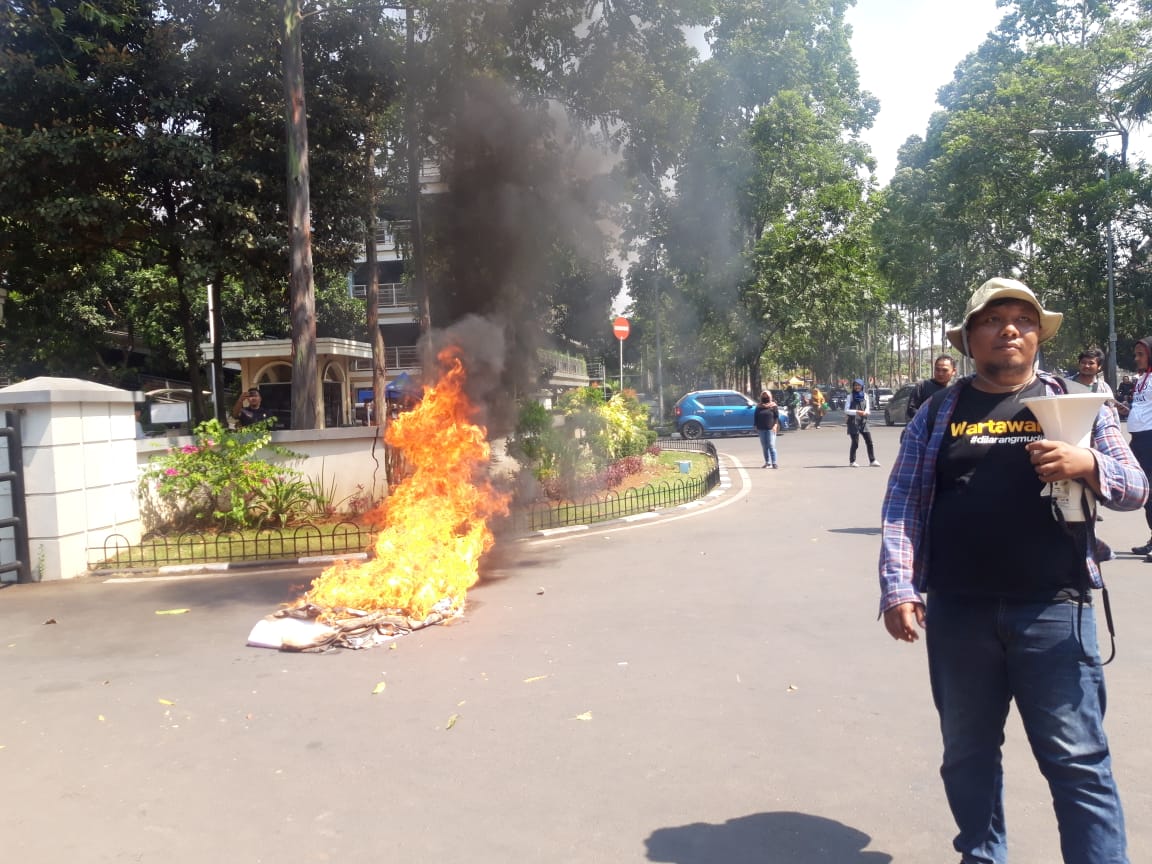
912	490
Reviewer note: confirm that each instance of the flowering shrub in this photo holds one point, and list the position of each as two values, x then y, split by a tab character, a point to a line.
219	479
615	473
600	443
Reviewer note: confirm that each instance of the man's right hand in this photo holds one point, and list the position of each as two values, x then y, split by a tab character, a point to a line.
901	621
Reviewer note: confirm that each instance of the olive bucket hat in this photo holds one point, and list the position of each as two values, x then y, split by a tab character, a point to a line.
1003	289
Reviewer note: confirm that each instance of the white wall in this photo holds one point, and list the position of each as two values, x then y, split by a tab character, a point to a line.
348	459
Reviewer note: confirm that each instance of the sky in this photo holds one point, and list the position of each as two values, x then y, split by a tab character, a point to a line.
905	50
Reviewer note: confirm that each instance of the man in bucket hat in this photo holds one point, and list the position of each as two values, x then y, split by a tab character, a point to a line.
973	555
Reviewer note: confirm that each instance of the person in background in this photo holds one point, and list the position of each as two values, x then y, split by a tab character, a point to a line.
1124	395
1140	425
792	406
767	421
247	409
972	553
856	411
819	407
943	368
139	425
1090	365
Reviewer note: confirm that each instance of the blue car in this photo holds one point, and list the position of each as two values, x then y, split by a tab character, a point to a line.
714	412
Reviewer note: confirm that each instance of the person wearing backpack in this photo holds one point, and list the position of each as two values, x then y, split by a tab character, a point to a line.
856	417
973	554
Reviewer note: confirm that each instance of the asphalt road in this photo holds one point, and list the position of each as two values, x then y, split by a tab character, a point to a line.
710	687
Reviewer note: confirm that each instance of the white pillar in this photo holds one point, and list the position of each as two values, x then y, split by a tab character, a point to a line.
79	442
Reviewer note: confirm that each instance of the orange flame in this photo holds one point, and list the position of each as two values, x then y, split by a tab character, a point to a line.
437	518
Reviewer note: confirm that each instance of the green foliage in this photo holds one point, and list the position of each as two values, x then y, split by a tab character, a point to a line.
282	500
596	434
220	480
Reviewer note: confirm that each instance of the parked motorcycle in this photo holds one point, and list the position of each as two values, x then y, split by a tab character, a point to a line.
805	416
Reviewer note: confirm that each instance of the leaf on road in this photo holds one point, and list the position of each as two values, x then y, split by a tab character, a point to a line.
452	721
165	701
100	717
172	611
792	688
50	621
379	688
587	715
535	678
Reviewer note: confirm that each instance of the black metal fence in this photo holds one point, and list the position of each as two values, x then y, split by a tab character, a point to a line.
343	538
615	505
197	547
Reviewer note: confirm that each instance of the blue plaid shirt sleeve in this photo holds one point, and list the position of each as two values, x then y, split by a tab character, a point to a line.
1123	484
904	516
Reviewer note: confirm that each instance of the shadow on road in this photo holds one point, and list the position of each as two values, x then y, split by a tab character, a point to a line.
764	838
867	532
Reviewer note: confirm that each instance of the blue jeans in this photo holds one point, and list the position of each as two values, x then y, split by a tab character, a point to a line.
768	445
982	654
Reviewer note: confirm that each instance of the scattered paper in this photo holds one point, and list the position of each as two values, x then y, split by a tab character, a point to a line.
587	715
165	701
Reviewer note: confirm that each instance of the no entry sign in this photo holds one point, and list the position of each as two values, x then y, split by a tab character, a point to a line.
620	328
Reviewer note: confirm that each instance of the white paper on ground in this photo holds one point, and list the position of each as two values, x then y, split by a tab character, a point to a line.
274	632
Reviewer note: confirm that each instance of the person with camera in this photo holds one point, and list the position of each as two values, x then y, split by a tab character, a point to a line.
247	409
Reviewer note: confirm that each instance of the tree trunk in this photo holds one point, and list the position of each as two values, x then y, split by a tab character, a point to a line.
191	348
307	412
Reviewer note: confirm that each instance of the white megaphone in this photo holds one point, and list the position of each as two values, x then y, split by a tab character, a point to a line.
1068	418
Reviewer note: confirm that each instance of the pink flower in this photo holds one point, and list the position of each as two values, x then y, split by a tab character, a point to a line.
171	472
189	448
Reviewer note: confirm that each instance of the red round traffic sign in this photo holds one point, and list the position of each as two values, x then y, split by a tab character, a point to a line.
620	328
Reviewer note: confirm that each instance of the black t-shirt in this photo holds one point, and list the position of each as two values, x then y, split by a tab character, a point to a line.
991	532
924	391
248	416
765	417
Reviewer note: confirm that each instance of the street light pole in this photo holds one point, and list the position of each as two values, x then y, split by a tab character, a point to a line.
1110	373
1107	132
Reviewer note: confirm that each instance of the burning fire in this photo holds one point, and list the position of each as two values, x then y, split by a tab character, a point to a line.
436	519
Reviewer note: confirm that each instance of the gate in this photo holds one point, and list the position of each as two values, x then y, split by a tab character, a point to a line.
18	521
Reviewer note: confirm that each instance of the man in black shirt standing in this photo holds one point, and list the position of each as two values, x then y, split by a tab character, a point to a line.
943	368
973	554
